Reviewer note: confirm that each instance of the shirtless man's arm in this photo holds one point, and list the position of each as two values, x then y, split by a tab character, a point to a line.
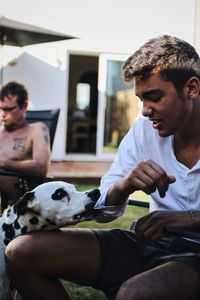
32	153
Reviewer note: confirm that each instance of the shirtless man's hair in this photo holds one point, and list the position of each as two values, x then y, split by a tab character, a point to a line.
17	89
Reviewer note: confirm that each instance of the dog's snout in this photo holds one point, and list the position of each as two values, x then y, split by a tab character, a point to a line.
90	206
94	194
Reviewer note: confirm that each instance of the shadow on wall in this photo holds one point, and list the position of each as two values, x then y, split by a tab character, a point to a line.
43	80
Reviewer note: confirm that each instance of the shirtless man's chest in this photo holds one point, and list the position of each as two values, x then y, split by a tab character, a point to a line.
15	144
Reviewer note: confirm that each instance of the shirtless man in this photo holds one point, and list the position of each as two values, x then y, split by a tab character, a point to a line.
23	147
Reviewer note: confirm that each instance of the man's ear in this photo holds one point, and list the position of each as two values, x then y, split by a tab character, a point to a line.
192	87
26	104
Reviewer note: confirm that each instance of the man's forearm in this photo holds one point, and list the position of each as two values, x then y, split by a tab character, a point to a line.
29	167
118	193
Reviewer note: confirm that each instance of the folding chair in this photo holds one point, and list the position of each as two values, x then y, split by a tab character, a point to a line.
50	118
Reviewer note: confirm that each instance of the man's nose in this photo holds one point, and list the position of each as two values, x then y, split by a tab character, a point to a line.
147	110
3	114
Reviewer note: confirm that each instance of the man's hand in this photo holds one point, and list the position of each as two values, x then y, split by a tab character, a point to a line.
152	226
148	176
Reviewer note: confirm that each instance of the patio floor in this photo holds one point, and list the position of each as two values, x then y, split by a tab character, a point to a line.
78	172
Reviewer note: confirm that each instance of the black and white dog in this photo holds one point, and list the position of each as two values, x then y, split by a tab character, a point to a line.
49	206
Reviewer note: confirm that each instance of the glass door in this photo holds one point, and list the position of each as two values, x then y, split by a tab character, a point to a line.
82	105
118	106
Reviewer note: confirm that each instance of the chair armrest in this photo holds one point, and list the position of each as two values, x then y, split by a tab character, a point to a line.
11	173
139	203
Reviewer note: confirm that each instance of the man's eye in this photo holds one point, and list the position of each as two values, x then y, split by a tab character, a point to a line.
155	98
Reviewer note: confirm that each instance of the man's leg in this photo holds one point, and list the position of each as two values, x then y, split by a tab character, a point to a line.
173	280
36	261
7	191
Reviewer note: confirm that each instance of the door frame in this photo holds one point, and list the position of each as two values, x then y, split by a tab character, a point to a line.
102	80
102	77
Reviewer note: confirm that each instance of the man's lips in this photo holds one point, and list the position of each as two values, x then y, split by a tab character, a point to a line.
156	123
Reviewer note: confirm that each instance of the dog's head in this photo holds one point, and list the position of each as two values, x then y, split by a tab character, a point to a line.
49	206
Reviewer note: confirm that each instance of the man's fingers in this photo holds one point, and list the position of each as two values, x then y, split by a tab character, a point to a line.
171	179
160	178
157	175
149	176
145	183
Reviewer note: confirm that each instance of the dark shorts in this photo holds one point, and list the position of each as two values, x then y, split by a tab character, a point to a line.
124	255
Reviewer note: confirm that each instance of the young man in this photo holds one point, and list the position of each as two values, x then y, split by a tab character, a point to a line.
159	155
23	147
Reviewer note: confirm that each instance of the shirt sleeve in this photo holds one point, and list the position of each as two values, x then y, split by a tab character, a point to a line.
127	157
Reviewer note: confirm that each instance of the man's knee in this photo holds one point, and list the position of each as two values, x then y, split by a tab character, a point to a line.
130	291
18	252
162	282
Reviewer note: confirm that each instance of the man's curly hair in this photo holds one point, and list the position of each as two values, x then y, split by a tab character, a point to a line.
175	60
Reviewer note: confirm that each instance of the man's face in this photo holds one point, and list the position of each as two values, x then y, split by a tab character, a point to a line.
10	112
168	111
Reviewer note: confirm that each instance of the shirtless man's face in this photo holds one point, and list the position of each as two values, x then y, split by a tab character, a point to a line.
12	116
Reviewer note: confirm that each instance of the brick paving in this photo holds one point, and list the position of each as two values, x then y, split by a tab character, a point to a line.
78	172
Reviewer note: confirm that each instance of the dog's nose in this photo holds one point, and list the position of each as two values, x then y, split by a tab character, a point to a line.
90	206
94	194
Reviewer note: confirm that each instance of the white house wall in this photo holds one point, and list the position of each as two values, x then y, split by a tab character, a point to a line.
44	68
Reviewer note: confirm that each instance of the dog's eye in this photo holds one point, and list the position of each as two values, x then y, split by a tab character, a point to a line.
60	194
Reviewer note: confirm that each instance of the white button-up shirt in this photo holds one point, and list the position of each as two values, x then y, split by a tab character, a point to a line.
142	142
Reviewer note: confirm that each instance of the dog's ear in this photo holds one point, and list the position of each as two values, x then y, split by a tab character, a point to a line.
94	194
34	203
20	208
8	233
10	216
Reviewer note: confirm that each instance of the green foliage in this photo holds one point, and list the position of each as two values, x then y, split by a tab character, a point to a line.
83	293
85	187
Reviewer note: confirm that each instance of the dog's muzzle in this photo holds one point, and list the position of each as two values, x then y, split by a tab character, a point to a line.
90	212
